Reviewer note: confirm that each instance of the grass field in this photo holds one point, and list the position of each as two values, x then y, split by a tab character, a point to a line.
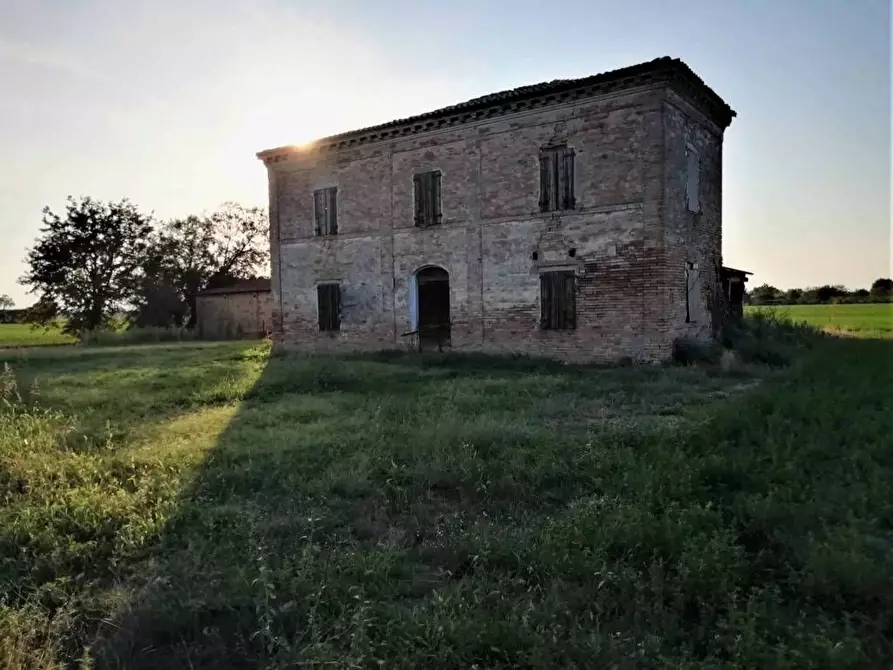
208	506
23	335
868	320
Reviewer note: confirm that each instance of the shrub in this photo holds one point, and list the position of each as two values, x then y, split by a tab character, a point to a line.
689	351
769	338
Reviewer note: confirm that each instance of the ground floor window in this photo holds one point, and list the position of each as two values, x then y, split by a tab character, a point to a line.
328	297
558	300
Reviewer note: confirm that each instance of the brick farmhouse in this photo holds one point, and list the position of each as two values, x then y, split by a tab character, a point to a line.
577	219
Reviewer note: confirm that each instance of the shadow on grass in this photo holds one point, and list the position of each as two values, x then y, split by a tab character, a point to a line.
418	510
337	480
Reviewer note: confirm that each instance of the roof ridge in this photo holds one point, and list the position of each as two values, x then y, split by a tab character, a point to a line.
664	68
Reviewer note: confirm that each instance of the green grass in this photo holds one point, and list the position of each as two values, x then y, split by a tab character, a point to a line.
208	506
867	320
23	335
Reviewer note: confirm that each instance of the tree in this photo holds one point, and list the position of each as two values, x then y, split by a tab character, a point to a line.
791	296
6	302
198	252
826	293
765	295
159	303
882	288
87	263
44	311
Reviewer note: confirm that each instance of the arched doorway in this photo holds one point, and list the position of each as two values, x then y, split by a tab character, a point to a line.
433	304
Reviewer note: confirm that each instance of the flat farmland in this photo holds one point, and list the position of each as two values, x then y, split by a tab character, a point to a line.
866	320
23	335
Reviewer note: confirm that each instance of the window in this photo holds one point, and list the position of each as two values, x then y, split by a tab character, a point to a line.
325	208
328	297
692	293
427	198
558	300
692	179
556	179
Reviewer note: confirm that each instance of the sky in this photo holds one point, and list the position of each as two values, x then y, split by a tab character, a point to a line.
167	102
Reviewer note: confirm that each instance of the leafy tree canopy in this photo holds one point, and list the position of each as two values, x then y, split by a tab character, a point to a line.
191	254
87	261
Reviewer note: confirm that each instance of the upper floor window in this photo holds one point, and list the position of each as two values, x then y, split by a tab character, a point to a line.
328	301
692	179
558	300
556	179
427	198
325	210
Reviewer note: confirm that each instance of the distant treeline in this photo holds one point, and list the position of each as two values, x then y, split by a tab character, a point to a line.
12	315
881	291
97	260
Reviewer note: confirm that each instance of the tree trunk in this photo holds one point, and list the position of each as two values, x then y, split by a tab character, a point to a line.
193	315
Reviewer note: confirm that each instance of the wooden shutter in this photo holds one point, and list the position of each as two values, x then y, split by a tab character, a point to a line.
426	186
435	197
545	181
319	212
332	210
419	187
328	297
567	168
693	180
546	300
336	306
558	300
322	306
560	181
556	181
569	302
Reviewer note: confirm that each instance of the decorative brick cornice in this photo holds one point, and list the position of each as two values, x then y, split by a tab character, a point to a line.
668	71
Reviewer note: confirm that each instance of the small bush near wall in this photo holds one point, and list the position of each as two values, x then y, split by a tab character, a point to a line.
688	351
764	338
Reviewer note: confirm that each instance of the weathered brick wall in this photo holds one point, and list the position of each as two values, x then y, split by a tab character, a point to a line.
493	240
689	236
234	315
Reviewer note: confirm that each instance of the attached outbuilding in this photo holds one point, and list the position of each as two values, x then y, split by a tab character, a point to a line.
234	312
733	288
